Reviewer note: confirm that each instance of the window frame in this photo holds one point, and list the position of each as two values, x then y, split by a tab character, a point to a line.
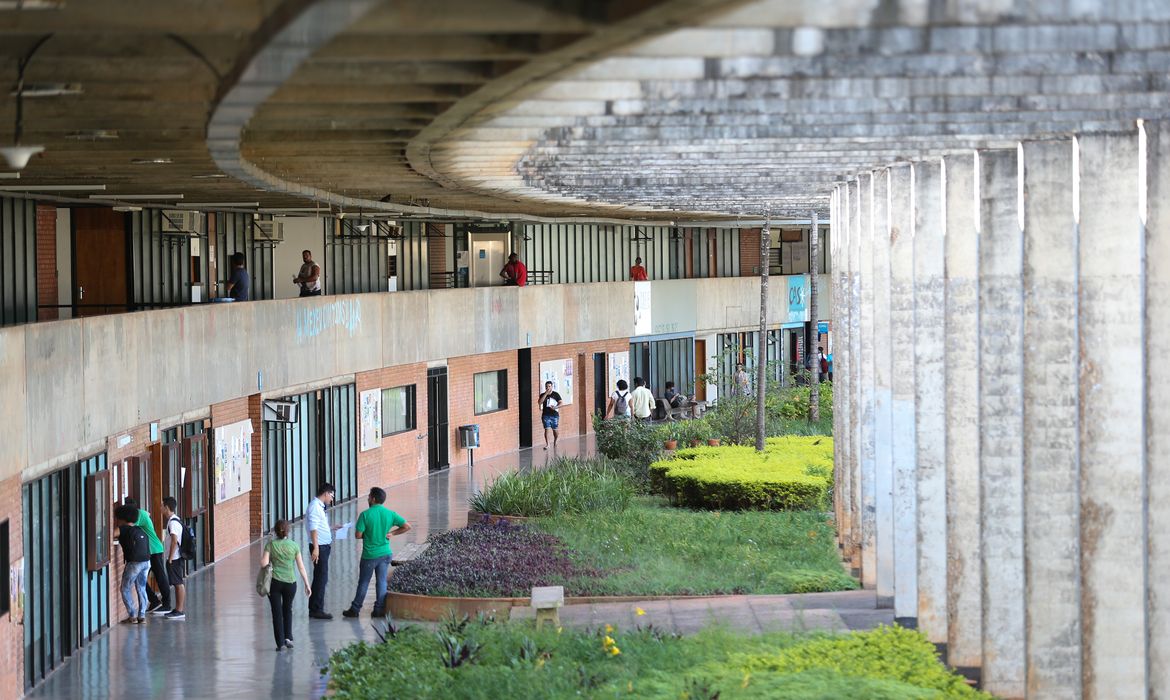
501	391
194	488
411	409
98	521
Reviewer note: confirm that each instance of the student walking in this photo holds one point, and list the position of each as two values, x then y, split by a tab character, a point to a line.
176	567
619	401
641	400
284	555
375	526
160	604
320	546
550	417
136	550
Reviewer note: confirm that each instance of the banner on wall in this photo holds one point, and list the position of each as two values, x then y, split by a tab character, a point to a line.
16	591
370	407
233	460
642	322
619	368
797	294
560	373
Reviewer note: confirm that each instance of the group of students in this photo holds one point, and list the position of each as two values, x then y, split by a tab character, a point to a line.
640	402
145	553
374	527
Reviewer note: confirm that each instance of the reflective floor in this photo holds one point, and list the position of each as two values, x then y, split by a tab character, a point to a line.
225	648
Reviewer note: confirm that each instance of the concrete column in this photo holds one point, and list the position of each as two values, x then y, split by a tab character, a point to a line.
1051	505
841	389
1158	402
961	249
853	195
883	390
1001	421
1112	434
866	383
930	400
903	455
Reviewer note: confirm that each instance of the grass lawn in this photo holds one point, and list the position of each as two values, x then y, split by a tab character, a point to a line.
654	549
518	662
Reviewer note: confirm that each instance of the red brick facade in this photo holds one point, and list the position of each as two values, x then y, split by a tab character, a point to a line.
46	260
498	431
115	455
402	456
12	633
238	520
582	400
749	252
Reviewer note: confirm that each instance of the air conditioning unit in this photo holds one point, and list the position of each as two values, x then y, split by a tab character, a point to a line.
268	231
176	222
384	230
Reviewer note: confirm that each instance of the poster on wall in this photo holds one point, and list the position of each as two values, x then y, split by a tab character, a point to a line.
642	324
233	460
370	408
16	591
619	368
560	373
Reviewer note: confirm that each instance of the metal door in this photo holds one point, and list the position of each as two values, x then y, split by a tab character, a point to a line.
489	252
437	428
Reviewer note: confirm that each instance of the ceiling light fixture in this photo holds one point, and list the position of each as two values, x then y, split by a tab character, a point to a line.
31	4
213	205
127	207
17	155
209	176
93	135
158	197
9	176
150	161
287	210
47	90
52	188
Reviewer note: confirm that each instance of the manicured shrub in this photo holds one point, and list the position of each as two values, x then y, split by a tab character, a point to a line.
632	445
793	473
567	486
489	561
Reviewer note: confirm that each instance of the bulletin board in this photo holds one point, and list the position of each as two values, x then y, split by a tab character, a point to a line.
619	368
560	373
233	460
370	409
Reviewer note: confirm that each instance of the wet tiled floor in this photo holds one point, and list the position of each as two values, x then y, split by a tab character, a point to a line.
225	648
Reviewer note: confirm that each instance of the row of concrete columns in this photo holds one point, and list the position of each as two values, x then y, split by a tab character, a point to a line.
1002	370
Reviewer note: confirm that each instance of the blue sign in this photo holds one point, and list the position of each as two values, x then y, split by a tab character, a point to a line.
797	293
482	253
823	328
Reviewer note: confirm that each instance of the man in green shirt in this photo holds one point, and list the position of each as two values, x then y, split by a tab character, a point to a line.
160	604
375	526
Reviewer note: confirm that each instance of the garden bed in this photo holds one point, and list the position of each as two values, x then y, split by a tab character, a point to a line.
479	659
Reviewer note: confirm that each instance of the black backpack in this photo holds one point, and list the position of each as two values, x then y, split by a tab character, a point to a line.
135	544
187	541
621	407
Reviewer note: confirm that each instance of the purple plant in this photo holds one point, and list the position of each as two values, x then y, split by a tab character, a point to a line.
489	561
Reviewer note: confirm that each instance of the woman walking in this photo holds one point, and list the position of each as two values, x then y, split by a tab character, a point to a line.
283	553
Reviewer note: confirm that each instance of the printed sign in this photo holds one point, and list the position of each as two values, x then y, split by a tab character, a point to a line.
370	406
797	295
642	323
233	460
560	373
619	368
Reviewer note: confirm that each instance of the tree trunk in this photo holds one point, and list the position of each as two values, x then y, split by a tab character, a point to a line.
762	339
814	394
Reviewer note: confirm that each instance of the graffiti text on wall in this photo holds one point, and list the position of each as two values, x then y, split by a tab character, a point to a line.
311	322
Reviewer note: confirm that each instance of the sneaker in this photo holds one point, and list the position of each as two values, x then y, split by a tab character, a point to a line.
142	620
350	612
379	612
288	643
280	648
319	615
154	606
176	615
160	611
130	621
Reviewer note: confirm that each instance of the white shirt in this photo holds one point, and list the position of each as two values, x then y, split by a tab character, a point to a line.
641	402
174	527
315	519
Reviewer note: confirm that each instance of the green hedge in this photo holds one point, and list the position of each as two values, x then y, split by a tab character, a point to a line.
793	473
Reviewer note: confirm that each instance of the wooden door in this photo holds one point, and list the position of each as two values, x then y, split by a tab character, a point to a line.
99	261
700	368
581	389
712	253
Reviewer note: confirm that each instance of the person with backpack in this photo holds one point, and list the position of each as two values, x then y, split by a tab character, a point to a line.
159	604
822	364
176	567
619	401
136	550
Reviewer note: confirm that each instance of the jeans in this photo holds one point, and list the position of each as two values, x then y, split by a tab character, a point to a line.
320	579
158	567
134	587
371	567
280	597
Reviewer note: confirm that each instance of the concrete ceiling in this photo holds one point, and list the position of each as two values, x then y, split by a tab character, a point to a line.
562	108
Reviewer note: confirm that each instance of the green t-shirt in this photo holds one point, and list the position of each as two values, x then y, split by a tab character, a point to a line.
374	524
283	556
145	523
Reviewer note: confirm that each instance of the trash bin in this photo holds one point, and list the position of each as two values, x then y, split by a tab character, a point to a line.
469	436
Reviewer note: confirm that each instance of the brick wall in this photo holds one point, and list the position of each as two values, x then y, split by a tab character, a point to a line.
749	252
139	443
238	520
402	456
499	431
582	401
11	633
46	260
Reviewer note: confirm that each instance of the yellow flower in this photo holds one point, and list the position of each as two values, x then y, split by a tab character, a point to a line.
614	651
746	679
609	641
539	663
639	612
608	629
560	629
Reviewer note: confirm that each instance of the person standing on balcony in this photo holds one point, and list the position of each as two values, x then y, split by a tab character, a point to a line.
239	285
310	276
637	272
515	274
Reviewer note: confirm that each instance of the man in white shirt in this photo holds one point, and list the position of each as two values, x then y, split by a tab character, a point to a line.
641	400
320	543
176	568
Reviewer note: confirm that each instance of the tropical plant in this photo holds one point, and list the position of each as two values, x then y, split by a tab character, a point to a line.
567	486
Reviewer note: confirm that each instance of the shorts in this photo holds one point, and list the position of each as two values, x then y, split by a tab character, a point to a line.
176	571
552	421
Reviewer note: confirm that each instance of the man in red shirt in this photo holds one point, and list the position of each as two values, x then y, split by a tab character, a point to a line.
514	273
637	272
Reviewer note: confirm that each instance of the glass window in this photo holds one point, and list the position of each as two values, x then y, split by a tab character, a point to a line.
100	520
491	391
398	409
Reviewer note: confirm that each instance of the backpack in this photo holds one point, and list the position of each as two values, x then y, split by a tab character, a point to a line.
135	544
824	365
187	541
621	407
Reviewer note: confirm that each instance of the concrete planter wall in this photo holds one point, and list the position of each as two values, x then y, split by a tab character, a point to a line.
410	606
